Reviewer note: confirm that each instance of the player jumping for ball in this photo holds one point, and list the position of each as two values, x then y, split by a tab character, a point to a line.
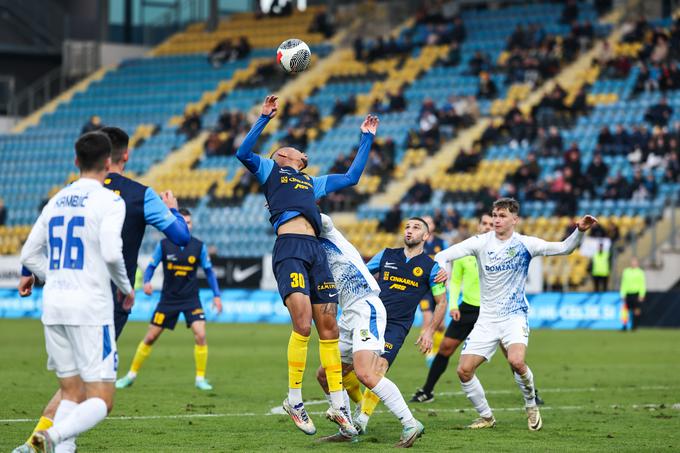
302	274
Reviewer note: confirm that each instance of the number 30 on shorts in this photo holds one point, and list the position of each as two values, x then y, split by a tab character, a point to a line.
297	280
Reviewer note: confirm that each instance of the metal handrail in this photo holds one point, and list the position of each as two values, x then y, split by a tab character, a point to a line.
39	93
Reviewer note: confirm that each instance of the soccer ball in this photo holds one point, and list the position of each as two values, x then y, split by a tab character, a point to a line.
293	55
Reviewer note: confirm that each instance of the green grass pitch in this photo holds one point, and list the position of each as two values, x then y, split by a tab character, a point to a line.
604	391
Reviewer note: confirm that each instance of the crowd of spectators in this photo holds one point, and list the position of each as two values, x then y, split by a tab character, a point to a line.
433	121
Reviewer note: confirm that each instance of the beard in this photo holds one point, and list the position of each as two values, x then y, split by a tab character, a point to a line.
412	242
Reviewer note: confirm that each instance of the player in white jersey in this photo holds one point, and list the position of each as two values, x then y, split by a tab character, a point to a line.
362	327
76	248
503	258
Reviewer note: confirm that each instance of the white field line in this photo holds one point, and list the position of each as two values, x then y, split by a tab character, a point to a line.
675	406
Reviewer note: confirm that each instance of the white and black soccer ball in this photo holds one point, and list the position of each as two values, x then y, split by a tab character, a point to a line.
293	55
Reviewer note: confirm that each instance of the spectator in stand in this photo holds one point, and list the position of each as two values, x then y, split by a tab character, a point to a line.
480	62
554	145
242	48
397	101
651	186
452	58
621	141
93	124
487	87
344	107
358	46
3	213
392	220
597	170
580	105
219	144
617	188
420	192
672	172
466	160
569	12
638	189
322	24
566	200
191	124
644	81
428	126
659	114
223	52
633	291
600	267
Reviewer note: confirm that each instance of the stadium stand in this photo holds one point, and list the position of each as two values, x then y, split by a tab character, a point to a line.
440	87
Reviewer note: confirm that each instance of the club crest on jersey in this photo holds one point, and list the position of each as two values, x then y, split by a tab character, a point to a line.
191	259
512	252
364	335
418	271
284	179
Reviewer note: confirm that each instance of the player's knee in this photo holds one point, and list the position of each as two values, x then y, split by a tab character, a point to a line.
368	377
516	363
302	327
465	372
328	332
200	339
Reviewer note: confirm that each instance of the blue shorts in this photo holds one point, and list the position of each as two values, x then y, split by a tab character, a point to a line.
167	314
300	266
395	334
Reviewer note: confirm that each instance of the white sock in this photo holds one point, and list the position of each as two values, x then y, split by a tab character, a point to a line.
348	405
63	411
82	418
526	385
294	396
337	399
475	393
328	398
389	394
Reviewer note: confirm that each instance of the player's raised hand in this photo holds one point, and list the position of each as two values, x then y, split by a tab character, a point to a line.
370	124
25	286
586	222
217	304
270	106
424	341
169	199
148	289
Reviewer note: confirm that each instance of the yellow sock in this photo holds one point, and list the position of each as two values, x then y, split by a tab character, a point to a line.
369	403
297	359
329	352
201	358
43	425
436	341
351	383
143	352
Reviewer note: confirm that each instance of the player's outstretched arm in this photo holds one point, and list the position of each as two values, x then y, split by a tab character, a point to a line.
245	152
465	248
111	244
539	247
33	253
156	258
335	182
161	213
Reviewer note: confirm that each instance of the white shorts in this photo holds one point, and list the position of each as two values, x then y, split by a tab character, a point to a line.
485	336
87	351
362	327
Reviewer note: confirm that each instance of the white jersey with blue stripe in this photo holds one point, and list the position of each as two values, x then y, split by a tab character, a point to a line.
503	267
352	278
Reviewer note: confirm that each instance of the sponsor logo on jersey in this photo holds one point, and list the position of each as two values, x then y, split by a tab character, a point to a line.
390	265
418	271
325	286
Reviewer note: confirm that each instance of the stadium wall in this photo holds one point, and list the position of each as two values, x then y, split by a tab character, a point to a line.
602	311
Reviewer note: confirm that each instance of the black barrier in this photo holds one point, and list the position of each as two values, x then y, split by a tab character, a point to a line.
661	310
235	273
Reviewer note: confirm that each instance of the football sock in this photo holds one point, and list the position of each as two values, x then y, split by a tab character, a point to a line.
43	425
201	358
63	411
348	406
329	353
389	394
82	418
526	385
297	359
475	393
351	383
436	341
369	402
439	365
143	352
